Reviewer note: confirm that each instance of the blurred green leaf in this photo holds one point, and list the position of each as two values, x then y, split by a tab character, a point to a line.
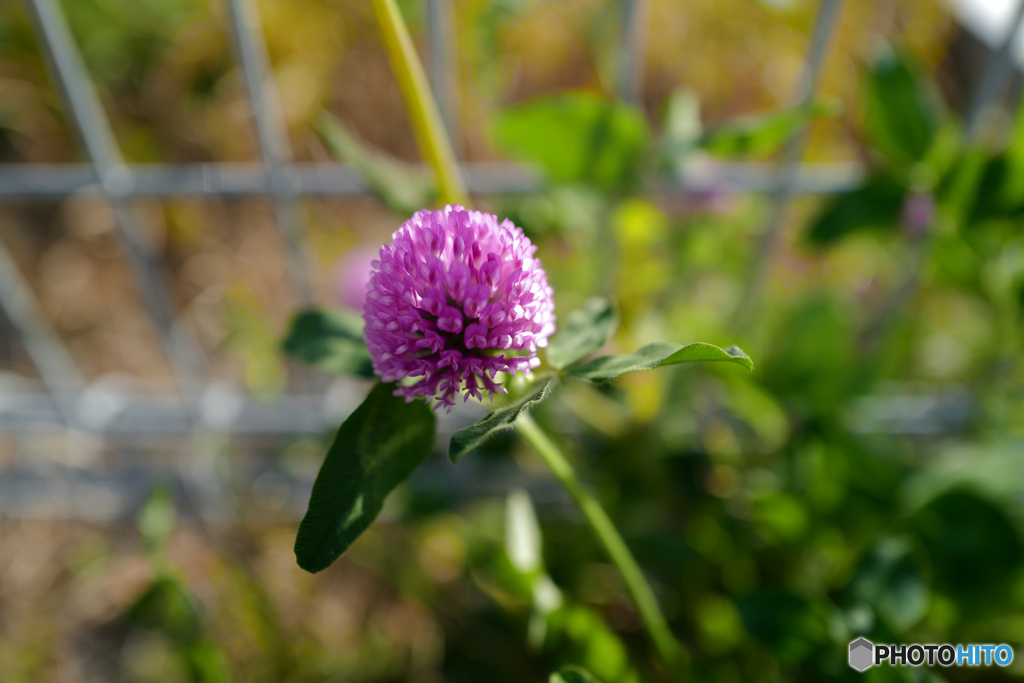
399	186
877	203
901	112
522	533
680	124
607	368
580	635
786	622
779	517
994	470
331	341
891	581
157	518
166	604
468	438
974	548
585	330
524	548
376	448
575	138
168	607
572	674
762	135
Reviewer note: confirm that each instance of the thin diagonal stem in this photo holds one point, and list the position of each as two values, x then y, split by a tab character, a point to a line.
431	137
603	528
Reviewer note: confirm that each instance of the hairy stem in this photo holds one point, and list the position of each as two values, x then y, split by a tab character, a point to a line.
431	137
608	536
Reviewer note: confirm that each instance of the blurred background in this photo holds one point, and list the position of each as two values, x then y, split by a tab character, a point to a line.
835	187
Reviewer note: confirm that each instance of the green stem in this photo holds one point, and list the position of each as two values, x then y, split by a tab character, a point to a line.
608	536
431	137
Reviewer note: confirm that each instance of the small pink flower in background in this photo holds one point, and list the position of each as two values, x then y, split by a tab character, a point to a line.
351	274
918	213
454	299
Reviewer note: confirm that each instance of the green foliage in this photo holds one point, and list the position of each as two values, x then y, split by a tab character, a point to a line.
168	608
959	527
329	340
760	136
901	112
584	331
791	625
374	451
561	629
891	580
875	204
397	185
607	368
156	519
576	138
468	438
572	674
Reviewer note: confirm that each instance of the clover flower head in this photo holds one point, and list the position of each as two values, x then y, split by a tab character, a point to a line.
456	298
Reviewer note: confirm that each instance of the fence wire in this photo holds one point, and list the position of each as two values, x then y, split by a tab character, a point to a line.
63	401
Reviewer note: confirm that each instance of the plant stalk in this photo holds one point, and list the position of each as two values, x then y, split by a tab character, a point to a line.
431	136
608	536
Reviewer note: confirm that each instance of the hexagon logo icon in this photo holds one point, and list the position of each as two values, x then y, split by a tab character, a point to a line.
861	654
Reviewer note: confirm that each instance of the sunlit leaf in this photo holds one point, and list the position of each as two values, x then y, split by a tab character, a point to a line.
582	636
760	136
680	124
575	138
331	341
375	449
522	533
468	438
607	368
585	330
572	674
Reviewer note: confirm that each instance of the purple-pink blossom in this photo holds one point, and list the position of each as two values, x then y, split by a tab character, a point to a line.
351	273
456	298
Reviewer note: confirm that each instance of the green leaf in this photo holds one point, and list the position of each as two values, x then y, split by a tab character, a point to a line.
575	138
585	331
331	341
607	368
760	136
572	674
399	186
376	448
974	549
468	438
157	518
680	125
891	581
787	622
877	203
578	634
901	112
522	533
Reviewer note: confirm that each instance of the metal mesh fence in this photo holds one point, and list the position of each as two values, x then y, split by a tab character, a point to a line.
64	403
